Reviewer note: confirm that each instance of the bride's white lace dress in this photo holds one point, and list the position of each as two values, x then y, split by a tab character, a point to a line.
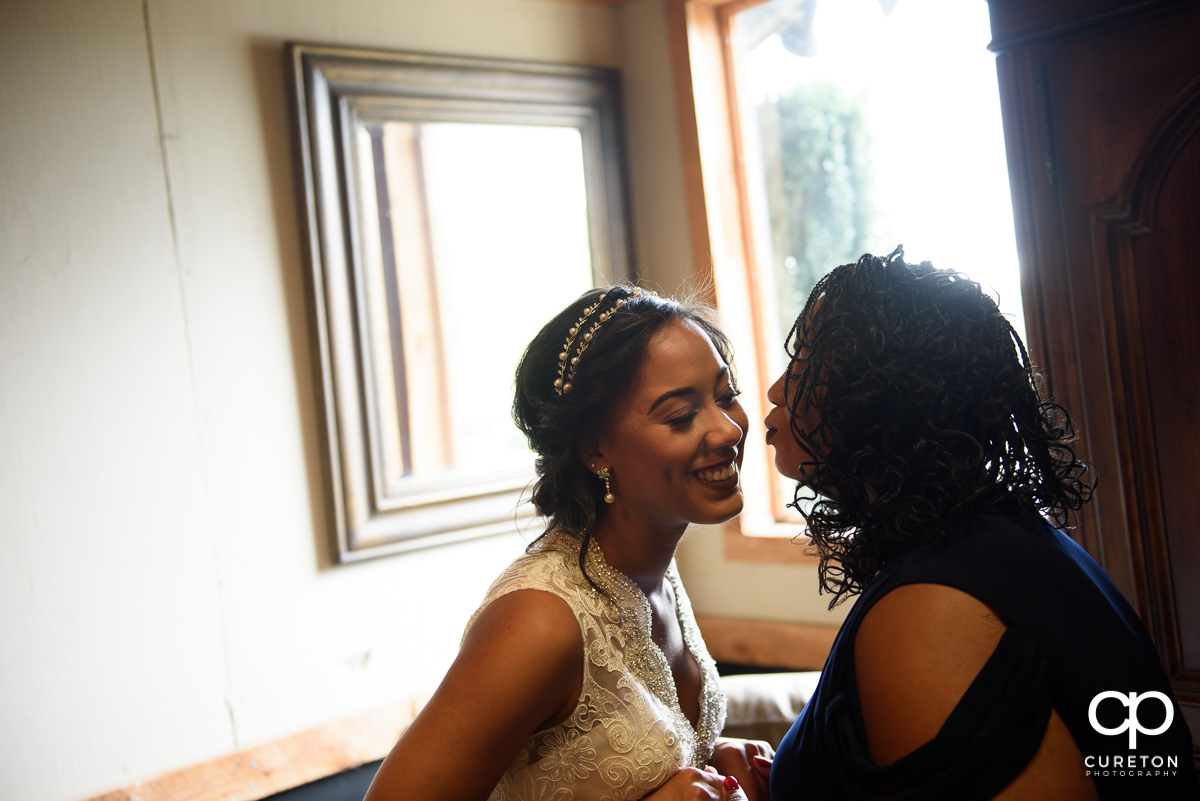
627	734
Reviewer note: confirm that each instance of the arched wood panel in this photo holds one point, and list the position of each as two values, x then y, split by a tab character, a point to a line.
1101	104
1165	263
1148	245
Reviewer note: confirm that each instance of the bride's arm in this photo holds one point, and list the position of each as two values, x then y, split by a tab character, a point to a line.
520	667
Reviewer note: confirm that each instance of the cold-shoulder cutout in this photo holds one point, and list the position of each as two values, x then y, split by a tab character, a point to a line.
1021	726
915	654
918	653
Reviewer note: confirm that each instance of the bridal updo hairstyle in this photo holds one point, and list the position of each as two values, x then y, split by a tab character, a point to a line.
566	493
929	409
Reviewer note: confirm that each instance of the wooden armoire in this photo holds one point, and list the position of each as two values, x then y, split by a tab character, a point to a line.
1101	107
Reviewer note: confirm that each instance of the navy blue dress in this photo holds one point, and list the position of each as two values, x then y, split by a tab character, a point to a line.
1071	635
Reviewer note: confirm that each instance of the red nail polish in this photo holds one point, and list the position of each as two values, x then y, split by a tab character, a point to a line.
731	784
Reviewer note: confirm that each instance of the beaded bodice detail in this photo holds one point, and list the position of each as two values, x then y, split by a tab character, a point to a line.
627	734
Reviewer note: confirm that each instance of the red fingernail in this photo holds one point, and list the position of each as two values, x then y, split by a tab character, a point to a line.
730	784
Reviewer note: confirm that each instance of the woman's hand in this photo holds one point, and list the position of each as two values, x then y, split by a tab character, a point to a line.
737	758
692	784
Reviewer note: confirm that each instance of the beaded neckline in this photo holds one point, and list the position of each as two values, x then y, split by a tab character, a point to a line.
646	659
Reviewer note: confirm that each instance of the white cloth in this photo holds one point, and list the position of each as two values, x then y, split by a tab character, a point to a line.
627	734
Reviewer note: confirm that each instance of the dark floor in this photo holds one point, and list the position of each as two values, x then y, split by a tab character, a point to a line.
349	785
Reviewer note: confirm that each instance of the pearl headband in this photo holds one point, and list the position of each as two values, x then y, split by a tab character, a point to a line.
567	364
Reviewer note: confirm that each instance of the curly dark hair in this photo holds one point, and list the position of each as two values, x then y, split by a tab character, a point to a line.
929	409
566	493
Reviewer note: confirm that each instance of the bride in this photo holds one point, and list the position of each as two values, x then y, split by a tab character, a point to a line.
583	675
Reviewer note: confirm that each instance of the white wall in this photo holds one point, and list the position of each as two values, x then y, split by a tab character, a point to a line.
166	589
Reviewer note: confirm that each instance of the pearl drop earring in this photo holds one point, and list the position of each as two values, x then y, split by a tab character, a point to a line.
605	475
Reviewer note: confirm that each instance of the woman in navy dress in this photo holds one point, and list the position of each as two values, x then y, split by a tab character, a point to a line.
987	655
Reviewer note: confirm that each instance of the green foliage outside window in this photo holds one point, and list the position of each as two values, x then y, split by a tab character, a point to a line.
819	190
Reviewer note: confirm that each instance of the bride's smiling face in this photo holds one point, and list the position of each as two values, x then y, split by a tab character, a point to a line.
675	444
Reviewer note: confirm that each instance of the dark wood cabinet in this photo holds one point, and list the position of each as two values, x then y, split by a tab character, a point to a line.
1101	105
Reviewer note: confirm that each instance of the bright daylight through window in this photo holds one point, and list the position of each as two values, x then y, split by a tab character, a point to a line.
865	124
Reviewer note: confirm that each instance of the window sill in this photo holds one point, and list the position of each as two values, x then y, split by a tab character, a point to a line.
779	543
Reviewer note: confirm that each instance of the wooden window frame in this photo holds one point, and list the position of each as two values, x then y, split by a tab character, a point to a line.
722	248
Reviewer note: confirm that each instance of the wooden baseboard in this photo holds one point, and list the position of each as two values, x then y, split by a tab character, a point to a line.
258	772
794	646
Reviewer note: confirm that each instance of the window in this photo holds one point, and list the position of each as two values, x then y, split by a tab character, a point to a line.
825	129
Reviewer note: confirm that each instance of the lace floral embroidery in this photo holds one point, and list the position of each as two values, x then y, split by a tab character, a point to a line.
627	734
568	755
